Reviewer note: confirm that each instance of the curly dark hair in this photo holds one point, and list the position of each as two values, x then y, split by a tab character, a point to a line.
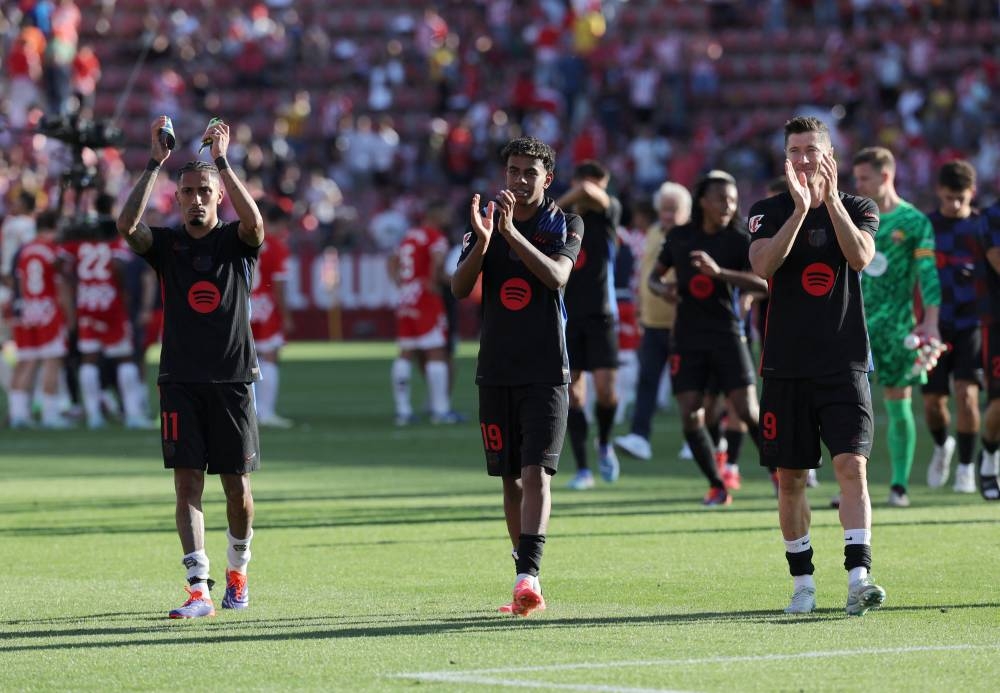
533	148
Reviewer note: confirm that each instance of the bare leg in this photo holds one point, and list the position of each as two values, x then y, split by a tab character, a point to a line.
794	514
188	487
239	504
512	508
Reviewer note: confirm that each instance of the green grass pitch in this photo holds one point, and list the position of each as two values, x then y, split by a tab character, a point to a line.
380	558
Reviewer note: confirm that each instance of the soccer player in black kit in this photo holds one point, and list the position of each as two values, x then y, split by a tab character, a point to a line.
207	363
525	247
591	327
811	244
710	257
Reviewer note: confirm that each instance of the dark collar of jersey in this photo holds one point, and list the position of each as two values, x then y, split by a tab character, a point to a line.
549	235
218	225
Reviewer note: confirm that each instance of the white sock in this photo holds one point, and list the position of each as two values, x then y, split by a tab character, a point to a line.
437	386
267	389
129	384
857	536
734	468
90	392
401	370
51	406
798	545
801	581
989	463
525	576
20	407
197	566
238	552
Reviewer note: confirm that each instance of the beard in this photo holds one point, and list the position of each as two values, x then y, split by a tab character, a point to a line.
197	221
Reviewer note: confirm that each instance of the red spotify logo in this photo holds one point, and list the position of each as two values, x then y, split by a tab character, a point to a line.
817	279
515	294
204	297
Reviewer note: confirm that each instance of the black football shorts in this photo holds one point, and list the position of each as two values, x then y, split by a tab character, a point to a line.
209	426
592	342
962	361
721	368
521	426
796	414
991	358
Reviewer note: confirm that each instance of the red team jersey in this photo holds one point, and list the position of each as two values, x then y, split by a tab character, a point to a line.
265	315
102	317
420	312
40	330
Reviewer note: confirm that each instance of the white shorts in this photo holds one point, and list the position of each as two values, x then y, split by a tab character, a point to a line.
119	350
435	339
55	349
272	343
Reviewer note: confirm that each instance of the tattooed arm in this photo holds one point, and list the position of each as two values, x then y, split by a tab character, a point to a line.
136	233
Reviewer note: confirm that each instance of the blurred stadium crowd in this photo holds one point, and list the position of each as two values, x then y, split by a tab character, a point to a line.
351	117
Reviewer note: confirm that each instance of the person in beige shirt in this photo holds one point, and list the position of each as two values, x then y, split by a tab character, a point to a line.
656	317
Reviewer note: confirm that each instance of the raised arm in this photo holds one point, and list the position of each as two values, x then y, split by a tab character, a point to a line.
464	278
553	271
251	229
129	224
857	246
768	254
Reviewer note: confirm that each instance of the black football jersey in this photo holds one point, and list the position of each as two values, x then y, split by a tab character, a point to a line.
591	287
523	334
205	284
708	307
815	317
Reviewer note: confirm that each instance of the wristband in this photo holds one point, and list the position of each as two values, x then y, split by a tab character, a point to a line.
221	163
153	165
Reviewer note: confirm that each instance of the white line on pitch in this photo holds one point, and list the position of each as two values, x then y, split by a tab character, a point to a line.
477	675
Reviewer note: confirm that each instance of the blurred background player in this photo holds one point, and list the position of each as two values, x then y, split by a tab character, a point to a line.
626	267
591	332
18	228
417	267
672	202
904	256
42	303
97	258
709	255
958	229
270	317
524	247
989	466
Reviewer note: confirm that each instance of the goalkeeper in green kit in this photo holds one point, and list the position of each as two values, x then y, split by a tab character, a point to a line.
904	255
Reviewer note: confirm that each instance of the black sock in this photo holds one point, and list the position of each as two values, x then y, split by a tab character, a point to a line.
939	435
529	553
704	454
715	432
990	446
576	425
858	556
966	446
734	442
605	420
800	563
